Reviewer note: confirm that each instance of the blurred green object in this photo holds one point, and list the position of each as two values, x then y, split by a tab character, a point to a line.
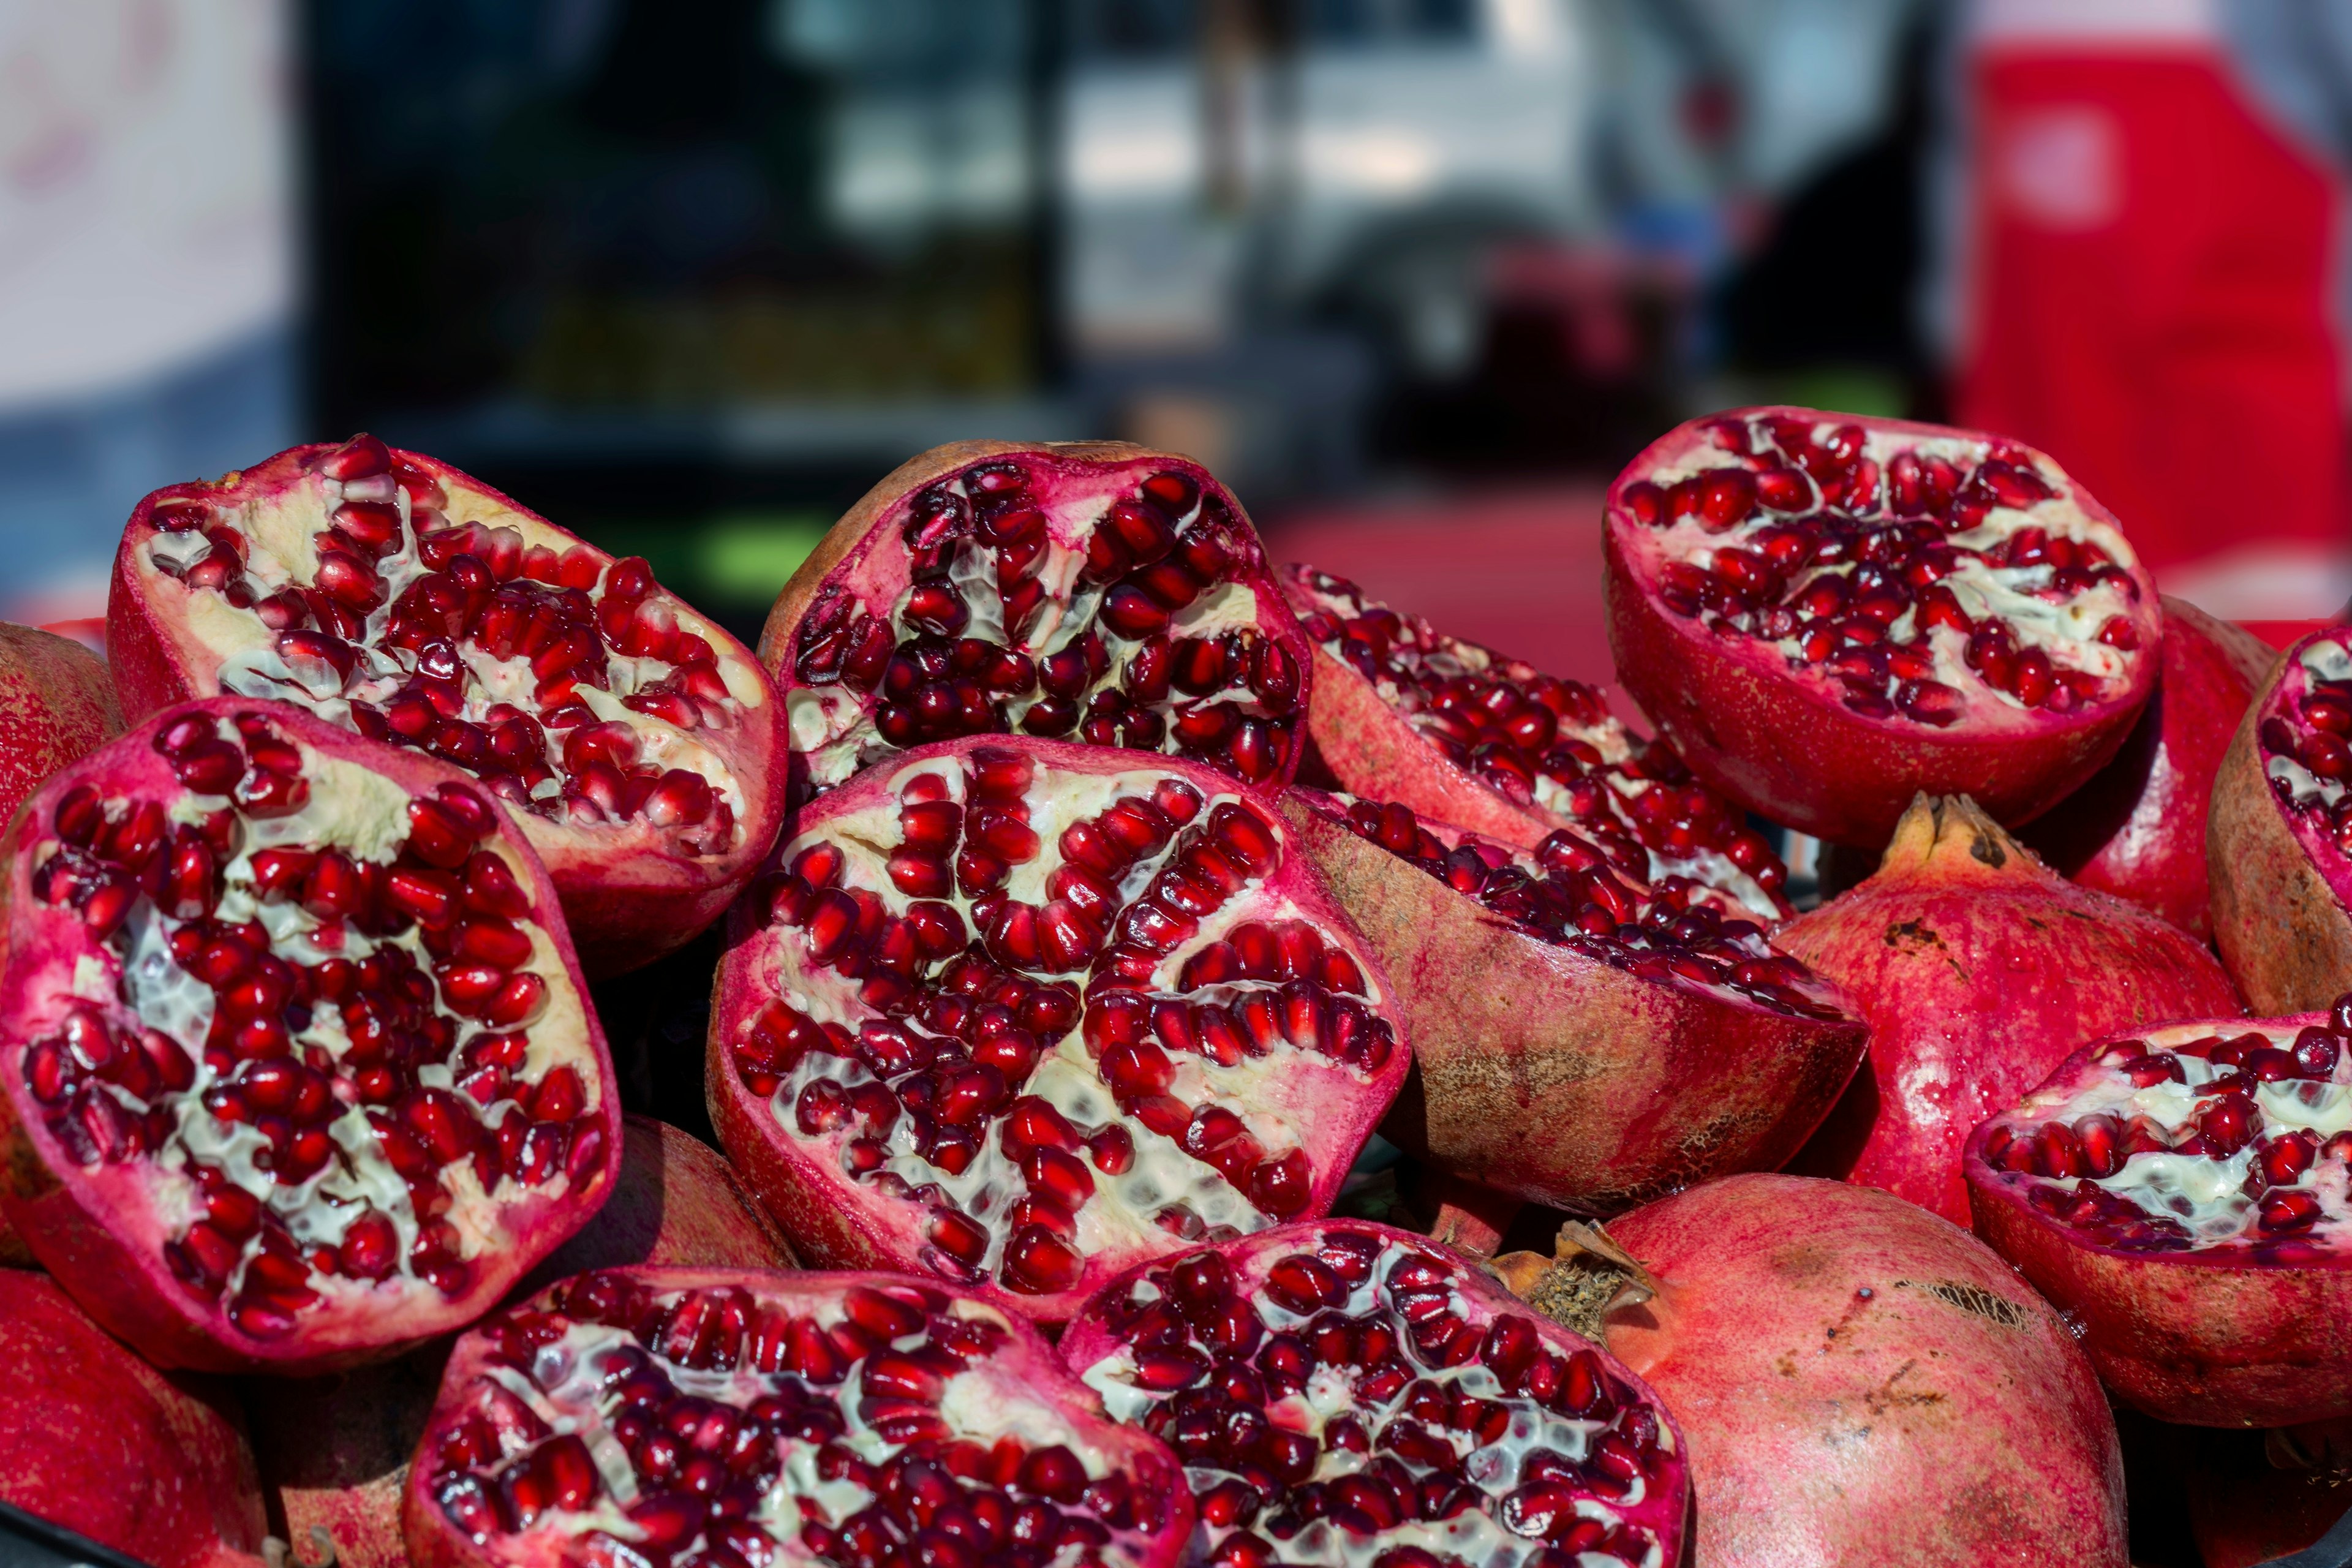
733	562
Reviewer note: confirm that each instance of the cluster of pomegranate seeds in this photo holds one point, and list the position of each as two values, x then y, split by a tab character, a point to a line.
717	1427
1542	741
327	1049
1568	891
460	640
1350	1407
1139	631
2306	743
1908	569
925	1031
2194	1139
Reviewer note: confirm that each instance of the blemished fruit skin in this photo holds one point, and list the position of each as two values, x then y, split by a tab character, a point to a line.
2137	827
1978	970
152	1465
1864	1385
1779	739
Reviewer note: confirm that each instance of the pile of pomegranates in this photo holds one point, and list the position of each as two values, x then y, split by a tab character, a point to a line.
1203	1067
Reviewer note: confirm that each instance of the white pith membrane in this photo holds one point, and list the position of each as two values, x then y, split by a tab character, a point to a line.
851	704
651	716
1147	1192
2306	742
1679	931
211	1170
688	1424
2246	1153
1989	536
1569	755
1176	1376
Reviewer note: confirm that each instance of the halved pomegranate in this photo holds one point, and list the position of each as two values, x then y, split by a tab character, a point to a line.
2185	1194
1093	590
1343	1392
1827	614
1026	1014
57	704
1581	1038
2279	836
729	1417
1460	733
640	747
2136	829
296	1068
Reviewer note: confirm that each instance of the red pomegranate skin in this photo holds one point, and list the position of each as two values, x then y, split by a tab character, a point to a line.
2137	827
1781	740
1547	1072
57	704
856	583
102	1228
2247	1506
1978	969
2282	878
633	889
334	1450
2248	1333
94	1438
1862	1385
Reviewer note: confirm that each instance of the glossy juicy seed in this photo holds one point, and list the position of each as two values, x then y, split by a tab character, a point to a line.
127	1080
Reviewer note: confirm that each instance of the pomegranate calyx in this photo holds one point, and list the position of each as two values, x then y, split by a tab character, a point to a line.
1588	1282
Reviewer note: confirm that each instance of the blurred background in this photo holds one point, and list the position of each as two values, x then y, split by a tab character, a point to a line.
1415	276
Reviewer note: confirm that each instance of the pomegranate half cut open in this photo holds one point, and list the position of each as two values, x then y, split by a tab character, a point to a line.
638	745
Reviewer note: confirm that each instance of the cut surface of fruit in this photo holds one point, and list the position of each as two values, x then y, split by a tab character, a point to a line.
1342	1392
2280	835
1462	734
720	1417
1827	613
1028	1016
1581	1038
295	1064
1093	592
639	745
2182	1194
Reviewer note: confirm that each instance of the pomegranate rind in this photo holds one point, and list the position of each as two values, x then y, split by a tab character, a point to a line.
2137	827
1092	1342
2280	890
1550	1073
1023	1371
1978	969
95	1439
631	891
1860	1382
57	706
2203	1337
334	1450
1782	743
103	1241
862	552
833	1220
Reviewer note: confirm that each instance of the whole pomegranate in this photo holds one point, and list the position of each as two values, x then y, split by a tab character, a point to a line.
1827	614
1978	969
2179	1194
1457	732
295	1065
1341	1392
1858	1381
95	1439
2279	836
1095	591
713	1418
1581	1039
1028	1014
639	746
57	704
334	1450
2136	829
